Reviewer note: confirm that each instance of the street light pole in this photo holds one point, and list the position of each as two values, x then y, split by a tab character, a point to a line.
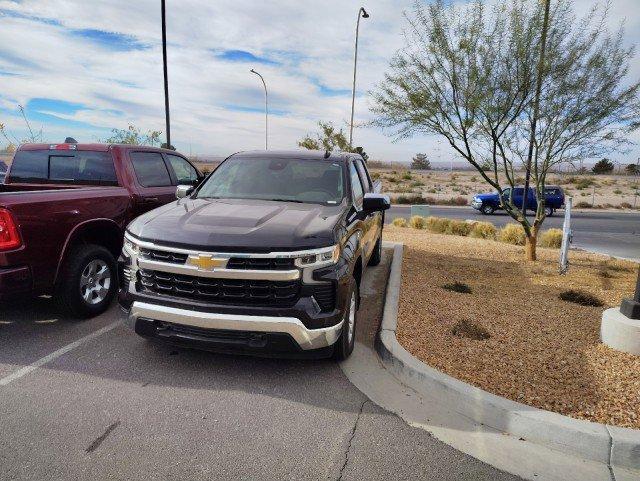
361	13
266	111
166	78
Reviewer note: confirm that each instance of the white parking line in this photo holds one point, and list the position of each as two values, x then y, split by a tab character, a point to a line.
56	354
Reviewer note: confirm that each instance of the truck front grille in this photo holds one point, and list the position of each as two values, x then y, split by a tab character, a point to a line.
220	291
163	256
255	263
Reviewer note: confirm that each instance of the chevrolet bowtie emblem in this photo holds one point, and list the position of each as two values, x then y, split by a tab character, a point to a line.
207	263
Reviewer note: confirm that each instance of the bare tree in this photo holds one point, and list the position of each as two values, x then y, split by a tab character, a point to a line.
470	76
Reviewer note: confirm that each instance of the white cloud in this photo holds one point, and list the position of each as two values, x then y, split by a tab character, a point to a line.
313	41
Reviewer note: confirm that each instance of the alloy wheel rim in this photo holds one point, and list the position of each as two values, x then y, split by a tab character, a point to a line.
351	320
95	282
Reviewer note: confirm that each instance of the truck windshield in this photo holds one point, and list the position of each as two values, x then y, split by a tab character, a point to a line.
291	180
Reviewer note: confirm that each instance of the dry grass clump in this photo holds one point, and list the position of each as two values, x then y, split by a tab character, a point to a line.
551	238
581	298
457	287
437	225
543	351
512	234
470	330
417	222
400	222
459	227
483	230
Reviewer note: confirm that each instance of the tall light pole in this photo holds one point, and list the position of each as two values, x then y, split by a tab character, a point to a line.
166	78
266	111
362	13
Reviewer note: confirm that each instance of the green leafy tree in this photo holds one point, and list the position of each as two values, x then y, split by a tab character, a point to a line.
132	135
420	162
483	81
603	166
331	139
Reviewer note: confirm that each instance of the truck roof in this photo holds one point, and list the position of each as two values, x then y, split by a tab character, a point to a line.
94	147
295	154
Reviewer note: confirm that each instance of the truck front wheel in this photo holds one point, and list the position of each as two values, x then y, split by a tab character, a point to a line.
87	282
549	211
487	209
344	345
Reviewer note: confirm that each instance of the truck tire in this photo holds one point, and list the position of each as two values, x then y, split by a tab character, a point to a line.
87	282
376	256
344	345
487	209
549	211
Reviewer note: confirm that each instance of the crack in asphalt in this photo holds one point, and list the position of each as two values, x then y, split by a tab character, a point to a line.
351	436
98	441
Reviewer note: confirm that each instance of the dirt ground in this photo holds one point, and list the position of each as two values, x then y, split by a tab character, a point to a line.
600	191
542	351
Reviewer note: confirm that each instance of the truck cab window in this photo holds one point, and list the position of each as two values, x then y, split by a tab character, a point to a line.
185	173
364	175
357	191
151	171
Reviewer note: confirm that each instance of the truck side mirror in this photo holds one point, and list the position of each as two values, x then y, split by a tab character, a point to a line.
183	191
375	202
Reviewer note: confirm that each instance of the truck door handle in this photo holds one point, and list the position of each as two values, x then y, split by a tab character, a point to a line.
151	199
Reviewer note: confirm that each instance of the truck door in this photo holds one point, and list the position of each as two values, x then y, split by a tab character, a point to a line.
154	181
374	219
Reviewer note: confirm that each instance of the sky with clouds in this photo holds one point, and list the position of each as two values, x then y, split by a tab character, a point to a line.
82	67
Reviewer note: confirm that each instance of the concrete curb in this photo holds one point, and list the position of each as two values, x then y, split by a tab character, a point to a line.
618	448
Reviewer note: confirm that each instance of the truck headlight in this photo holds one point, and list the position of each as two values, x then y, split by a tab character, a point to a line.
324	256
130	246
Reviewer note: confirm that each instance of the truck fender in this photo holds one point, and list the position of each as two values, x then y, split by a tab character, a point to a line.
106	232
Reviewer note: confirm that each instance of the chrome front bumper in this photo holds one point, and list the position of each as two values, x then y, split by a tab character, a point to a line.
307	339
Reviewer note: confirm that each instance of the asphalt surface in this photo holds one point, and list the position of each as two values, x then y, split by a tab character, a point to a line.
613	233
115	406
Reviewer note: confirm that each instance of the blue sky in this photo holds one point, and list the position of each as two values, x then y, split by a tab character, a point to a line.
81	68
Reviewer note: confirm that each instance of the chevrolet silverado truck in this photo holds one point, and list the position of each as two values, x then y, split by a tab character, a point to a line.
63	211
265	257
489	203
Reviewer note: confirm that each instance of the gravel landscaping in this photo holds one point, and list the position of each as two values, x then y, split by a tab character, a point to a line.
511	334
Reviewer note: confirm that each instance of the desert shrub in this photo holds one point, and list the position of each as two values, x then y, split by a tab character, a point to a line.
626	205
459	227
417	222
584	183
580	297
374	175
483	230
583	205
416	183
406	176
512	234
470	330
432	191
411	199
551	238
400	222
617	192
438	225
457	286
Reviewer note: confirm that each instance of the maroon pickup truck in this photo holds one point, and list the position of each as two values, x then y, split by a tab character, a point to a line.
63	211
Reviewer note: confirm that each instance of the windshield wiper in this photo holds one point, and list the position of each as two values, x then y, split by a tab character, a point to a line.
287	200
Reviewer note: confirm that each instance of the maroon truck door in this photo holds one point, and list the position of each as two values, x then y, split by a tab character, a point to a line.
154	181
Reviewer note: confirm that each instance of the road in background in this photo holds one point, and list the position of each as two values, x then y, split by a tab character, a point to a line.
613	233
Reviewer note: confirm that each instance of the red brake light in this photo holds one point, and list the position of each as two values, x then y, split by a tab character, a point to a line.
9	237
62	147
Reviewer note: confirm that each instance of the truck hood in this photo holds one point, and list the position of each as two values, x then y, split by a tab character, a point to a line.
483	197
235	225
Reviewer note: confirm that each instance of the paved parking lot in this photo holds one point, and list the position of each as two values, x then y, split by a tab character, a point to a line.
106	404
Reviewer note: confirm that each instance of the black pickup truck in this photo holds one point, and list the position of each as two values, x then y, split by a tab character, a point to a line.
264	257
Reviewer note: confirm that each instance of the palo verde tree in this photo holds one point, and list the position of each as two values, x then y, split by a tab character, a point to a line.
482	80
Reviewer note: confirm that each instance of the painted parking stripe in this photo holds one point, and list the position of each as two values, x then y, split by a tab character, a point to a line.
56	354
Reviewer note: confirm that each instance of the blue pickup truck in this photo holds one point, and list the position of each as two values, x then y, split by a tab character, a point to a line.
489	203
